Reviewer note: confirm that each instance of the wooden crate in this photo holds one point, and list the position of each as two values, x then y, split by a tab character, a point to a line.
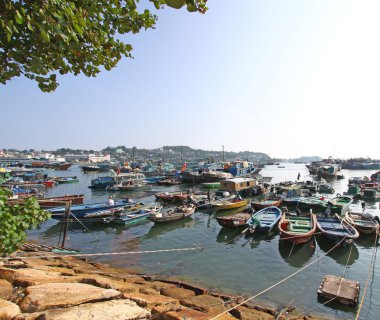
344	290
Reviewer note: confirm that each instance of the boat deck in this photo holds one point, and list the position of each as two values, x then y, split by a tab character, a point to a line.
299	225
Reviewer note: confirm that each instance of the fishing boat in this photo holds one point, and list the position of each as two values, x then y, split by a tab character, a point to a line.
312	203
81	210
206	202
90	168
60	166
266	203
175	214
232	204
297	230
133	216
53	201
363	222
168	182
235	220
325	188
48	183
167	196
334	228
154	179
65	180
264	220
211	185
370	194
339	203
102	182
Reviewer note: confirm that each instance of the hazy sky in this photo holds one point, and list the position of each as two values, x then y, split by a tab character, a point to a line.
289	78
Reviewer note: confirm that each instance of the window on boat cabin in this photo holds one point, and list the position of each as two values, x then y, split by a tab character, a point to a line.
248	184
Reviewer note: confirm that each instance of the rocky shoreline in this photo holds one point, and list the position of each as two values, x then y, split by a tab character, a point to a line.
42	286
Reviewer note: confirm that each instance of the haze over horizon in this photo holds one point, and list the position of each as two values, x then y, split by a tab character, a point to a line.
287	78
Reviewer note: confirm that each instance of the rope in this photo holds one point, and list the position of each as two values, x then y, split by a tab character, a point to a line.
332	299
367	281
104	253
279	282
84	226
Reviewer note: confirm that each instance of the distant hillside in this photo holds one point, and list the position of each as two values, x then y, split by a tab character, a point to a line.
185	153
305	159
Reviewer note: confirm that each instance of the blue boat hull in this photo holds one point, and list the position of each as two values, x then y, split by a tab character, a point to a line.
269	217
80	211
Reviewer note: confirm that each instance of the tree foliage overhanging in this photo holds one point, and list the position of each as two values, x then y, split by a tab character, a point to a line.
40	38
16	219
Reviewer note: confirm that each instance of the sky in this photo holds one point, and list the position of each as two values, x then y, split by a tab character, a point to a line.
286	77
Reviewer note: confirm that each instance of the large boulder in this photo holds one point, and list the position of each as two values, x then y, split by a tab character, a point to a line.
150	300
8	310
30	277
177	293
244	313
6	289
205	303
110	283
61	295
114	309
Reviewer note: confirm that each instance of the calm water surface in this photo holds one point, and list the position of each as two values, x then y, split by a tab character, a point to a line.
230	261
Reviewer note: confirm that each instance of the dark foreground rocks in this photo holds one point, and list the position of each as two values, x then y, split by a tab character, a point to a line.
67	288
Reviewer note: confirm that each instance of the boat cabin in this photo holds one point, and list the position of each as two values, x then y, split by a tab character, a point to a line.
237	184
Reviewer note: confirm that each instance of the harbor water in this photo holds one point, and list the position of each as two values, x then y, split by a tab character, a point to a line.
230	261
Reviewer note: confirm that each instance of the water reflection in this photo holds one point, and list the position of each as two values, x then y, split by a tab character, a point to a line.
229	236
258	237
343	255
296	256
367	241
159	229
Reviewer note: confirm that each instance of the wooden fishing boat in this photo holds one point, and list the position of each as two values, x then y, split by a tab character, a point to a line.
334	228
203	202
53	201
312	203
264	220
168	196
81	210
61	166
266	203
226	205
211	185
340	202
168	182
175	214
65	180
363	222
87	169
133	215
325	188
48	183
235	220
370	194
297	230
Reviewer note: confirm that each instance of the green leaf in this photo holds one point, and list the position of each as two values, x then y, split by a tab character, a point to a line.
44	34
19	19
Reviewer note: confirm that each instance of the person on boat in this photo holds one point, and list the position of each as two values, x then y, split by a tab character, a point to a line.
299	176
110	201
363	206
327	211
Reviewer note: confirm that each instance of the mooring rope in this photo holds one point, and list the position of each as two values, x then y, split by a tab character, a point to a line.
369	274
279	282
103	253
332	299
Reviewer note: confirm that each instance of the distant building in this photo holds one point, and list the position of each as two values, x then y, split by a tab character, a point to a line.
92	158
99	158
